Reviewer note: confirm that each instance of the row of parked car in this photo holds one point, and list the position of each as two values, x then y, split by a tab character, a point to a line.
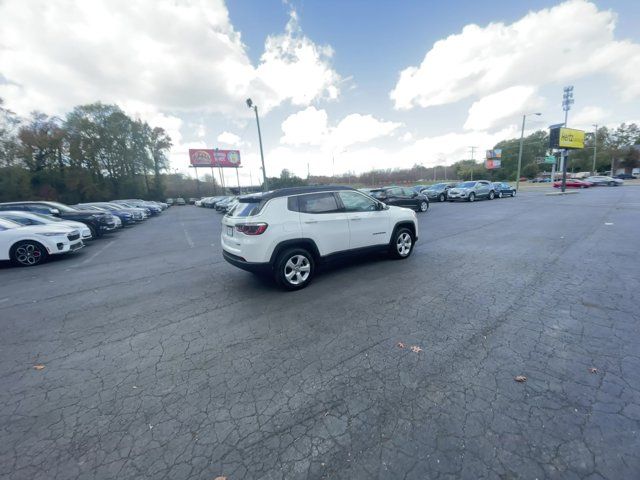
595	181
32	231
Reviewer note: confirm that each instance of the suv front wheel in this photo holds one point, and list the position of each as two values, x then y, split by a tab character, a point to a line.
294	269
402	243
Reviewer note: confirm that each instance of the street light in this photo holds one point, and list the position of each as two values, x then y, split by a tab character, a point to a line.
524	117
250	104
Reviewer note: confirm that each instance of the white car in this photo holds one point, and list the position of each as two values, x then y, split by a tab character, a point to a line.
604	180
29	246
31	218
287	232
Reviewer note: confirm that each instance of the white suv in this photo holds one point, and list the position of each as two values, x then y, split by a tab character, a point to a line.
287	232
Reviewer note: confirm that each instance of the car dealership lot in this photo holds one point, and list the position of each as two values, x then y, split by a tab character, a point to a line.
163	361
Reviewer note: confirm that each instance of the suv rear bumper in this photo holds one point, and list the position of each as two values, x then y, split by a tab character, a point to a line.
240	262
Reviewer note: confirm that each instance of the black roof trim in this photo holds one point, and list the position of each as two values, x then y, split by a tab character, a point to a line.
286	192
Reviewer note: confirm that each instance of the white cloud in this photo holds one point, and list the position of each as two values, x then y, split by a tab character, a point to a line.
306	127
558	44
587	116
177	56
310	127
229	138
512	101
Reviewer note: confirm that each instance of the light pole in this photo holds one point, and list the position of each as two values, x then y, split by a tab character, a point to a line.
524	117
265	185
595	148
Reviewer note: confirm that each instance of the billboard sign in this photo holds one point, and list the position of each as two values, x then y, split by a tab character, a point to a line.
214	158
566	138
492	154
490	164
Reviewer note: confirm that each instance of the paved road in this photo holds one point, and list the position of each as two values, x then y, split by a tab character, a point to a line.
162	361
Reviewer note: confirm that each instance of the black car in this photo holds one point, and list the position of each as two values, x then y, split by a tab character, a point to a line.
625	176
401	197
98	222
504	189
126	217
437	191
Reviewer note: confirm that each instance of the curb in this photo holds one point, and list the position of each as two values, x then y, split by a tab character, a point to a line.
562	193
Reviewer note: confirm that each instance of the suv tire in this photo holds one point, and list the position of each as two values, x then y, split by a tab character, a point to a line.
492	195
441	197
423	206
402	243
294	269
471	197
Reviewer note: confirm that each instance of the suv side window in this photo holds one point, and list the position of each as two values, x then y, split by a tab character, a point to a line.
356	202
318	203
394	192
408	192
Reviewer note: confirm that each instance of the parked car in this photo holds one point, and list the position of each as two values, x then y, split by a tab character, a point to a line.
402	197
198	203
151	208
193	200
625	176
221	206
98	222
471	191
286	233
169	201
27	246
180	201
503	189
601	180
31	218
210	202
572	183
230	205
125	218
437	191
138	214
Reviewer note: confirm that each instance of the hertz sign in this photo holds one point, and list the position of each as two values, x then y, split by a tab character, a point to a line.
566	138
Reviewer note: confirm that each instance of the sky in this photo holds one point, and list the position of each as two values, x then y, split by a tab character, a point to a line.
340	85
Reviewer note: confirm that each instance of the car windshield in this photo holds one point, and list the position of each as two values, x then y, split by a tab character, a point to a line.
466	185
50	218
62	207
6	224
437	186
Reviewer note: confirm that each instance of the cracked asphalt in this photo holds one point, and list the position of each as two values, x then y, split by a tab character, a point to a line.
164	362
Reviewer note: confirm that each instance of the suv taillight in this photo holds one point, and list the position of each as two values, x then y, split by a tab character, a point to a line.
252	228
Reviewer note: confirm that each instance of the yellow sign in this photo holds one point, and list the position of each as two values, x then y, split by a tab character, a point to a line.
570	138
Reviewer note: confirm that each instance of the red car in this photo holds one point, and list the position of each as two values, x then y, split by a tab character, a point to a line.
572	183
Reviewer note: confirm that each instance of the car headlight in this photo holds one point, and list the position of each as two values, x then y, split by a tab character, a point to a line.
52	234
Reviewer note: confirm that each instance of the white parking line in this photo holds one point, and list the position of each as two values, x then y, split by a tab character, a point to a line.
87	260
2	300
187	236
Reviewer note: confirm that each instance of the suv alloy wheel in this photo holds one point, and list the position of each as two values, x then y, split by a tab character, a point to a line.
28	253
424	206
492	195
294	268
402	243
471	197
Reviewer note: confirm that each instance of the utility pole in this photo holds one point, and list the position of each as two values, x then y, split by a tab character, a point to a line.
473	149
524	117
265	185
595	148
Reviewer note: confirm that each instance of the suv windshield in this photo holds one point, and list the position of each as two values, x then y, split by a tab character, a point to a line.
466	185
437	186
61	207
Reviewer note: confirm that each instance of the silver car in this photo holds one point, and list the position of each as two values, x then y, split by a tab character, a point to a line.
471	191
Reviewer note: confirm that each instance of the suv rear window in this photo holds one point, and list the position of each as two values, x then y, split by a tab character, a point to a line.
246	209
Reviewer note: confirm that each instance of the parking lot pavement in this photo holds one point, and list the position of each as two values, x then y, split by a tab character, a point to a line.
162	361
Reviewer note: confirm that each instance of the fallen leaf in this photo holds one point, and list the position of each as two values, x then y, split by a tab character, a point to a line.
520	378
416	349
38	367
400	345
593	370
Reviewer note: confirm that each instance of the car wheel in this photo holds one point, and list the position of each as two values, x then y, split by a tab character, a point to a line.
499	194
294	269
424	206
28	253
492	195
513	193
441	197
612	184
94	232
402	243
472	197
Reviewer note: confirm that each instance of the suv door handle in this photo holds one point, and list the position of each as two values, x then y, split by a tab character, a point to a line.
311	221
